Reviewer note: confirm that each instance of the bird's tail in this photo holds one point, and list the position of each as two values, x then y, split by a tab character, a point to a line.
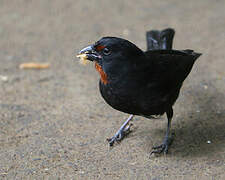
160	39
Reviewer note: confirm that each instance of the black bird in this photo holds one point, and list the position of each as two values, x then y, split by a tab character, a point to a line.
141	83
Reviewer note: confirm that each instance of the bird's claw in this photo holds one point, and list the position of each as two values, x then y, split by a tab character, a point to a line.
119	135
163	147
159	149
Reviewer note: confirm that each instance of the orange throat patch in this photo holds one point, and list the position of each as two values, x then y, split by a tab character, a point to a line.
102	73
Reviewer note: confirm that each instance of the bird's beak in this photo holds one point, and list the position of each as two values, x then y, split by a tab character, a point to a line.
89	53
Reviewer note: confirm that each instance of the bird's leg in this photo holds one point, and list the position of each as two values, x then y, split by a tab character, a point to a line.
168	139
123	131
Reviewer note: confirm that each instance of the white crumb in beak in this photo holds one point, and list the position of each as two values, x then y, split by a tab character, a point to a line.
83	58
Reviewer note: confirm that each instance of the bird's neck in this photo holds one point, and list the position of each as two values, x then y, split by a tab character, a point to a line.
103	75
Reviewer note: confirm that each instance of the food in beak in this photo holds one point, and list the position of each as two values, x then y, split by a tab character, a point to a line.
83	58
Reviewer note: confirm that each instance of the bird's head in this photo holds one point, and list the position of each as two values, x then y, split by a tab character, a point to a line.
112	56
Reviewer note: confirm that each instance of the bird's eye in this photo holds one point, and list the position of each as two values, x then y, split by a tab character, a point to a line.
106	51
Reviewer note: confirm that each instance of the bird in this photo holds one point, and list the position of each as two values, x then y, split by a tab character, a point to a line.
141	83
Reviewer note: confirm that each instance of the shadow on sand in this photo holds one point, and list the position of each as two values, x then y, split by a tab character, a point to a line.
200	133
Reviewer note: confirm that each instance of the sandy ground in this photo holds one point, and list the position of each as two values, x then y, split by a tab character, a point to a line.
54	123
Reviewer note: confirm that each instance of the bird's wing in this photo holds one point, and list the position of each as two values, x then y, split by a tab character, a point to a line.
160	39
171	67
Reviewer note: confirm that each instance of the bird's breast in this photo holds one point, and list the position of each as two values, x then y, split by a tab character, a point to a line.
117	97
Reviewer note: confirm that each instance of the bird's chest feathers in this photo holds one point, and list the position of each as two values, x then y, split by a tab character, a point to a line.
103	75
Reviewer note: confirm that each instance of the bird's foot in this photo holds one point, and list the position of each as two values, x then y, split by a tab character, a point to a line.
163	147
120	134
